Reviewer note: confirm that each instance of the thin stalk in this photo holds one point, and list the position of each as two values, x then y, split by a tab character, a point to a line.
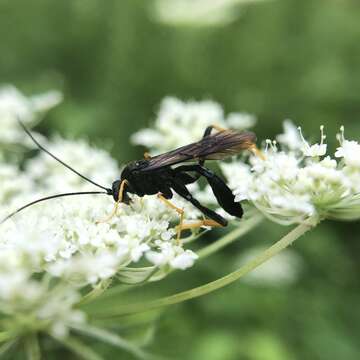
8	346
32	347
77	347
96	292
245	227
113	340
217	284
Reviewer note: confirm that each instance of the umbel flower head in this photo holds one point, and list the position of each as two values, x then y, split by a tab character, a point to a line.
55	252
298	181
13	105
180	123
52	252
61	240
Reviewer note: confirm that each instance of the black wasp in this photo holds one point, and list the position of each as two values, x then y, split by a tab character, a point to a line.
165	174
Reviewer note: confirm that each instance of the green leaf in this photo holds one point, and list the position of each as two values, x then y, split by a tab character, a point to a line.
114	340
79	348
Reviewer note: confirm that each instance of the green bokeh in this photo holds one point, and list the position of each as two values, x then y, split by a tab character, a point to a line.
279	59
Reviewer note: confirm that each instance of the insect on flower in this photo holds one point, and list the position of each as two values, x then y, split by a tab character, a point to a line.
159	176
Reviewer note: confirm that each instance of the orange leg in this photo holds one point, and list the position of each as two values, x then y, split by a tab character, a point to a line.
257	152
218	128
201	223
116	207
178	210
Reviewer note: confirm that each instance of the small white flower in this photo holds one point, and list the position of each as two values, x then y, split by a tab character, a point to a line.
291	137
95	163
173	255
290	189
179	123
316	149
349	151
184	260
14	105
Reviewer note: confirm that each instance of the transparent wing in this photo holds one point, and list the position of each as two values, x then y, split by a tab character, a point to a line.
214	147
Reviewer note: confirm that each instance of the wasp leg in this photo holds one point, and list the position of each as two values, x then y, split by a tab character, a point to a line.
207	132
216	219
116	207
178	210
222	192
210	128
186	178
189	179
147	156
257	152
201	223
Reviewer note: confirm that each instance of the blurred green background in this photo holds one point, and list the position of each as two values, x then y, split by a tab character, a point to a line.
277	59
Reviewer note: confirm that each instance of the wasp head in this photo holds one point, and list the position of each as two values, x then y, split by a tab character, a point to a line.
116	185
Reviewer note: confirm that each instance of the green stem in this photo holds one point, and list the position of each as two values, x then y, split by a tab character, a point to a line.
77	347
8	346
245	227
113	340
32	347
96	292
217	284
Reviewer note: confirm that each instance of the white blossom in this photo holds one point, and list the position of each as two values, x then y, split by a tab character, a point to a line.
92	162
14	105
349	151
61	242
175	256
290	137
179	123
289	188
316	149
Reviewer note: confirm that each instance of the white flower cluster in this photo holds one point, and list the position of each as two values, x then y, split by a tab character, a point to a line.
64	229
52	250
48	174
22	295
180	123
14	105
298	181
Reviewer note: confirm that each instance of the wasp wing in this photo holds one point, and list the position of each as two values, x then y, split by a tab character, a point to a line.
213	147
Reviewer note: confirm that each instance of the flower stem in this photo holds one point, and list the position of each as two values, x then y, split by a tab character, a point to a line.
245	227
96	292
217	284
32	347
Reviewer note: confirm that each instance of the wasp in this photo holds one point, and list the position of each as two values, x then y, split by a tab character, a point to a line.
171	172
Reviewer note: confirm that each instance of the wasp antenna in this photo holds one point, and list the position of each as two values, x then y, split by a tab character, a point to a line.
27	131
50	198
